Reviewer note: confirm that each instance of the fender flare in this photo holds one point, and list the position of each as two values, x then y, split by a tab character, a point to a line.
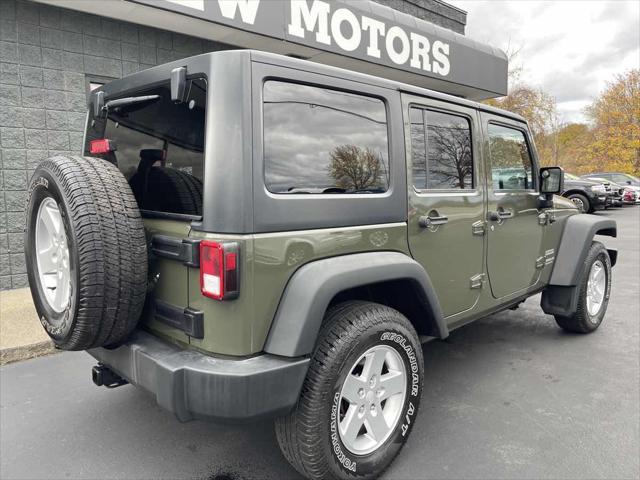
312	287
560	297
577	236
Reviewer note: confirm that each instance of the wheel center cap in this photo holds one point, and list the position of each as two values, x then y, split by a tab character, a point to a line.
370	396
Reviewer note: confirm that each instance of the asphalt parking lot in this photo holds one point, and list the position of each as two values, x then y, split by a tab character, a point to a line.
510	396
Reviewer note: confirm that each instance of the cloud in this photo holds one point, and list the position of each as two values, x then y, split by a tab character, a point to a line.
569	48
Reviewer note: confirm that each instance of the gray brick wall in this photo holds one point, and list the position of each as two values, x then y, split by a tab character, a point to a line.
434	11
46	54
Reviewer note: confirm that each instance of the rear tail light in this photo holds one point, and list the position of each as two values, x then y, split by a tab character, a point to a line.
101	146
219	277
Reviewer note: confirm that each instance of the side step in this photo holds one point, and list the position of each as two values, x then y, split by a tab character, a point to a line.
104	376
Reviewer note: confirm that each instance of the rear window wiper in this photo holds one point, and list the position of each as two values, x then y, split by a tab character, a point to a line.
125	102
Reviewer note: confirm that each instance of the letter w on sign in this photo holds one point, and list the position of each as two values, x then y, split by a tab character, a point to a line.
248	9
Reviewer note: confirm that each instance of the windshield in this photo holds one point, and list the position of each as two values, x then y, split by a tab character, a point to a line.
159	147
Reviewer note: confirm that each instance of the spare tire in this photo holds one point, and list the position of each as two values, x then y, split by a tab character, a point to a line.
86	252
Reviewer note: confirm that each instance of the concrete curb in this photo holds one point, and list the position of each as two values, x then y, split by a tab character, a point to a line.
24	352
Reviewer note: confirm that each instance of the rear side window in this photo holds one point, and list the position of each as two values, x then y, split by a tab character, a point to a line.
440	150
318	140
160	148
511	164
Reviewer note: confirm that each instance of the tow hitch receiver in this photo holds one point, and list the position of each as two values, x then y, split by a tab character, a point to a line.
104	376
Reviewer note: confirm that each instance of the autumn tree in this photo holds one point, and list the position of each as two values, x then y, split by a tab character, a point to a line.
616	126
355	168
572	141
532	103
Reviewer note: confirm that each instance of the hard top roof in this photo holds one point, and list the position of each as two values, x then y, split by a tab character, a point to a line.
285	61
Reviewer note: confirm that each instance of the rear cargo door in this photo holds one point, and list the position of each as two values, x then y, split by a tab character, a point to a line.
158	145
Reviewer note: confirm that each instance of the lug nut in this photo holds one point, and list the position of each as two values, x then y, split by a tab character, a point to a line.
361	393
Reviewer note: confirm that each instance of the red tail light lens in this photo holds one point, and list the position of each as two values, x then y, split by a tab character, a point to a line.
219	270
102	145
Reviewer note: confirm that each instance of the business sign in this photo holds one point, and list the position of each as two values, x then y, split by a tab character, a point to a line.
363	30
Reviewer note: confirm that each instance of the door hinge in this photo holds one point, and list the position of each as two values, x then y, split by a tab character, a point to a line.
547	259
477	280
546	218
478	228
549	256
543	218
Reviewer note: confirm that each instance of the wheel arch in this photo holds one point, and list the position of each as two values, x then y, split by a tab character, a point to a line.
390	278
561	294
574	191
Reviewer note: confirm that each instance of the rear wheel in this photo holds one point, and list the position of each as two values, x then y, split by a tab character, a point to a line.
594	291
86	252
360	398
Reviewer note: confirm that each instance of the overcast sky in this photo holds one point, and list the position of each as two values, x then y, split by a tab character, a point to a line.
569	48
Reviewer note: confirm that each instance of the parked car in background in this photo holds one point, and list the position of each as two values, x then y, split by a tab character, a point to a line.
614	190
630	196
587	195
626	180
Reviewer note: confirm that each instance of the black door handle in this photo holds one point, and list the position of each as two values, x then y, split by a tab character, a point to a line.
427	221
499	215
503	214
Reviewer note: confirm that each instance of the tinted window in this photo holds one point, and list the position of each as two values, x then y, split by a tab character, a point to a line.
511	165
440	150
318	140
160	148
623	179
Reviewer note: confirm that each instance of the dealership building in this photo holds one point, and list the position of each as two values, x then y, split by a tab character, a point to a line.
53	52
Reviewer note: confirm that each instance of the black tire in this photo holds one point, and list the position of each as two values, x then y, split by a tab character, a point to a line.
165	189
308	436
581	201
107	252
578	199
582	321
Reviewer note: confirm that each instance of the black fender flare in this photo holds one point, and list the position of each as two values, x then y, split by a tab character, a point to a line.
560	297
311	288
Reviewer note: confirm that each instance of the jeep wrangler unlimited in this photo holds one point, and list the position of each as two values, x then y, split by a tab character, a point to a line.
250	235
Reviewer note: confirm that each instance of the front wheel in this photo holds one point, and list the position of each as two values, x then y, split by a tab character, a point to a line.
360	399
581	202
594	291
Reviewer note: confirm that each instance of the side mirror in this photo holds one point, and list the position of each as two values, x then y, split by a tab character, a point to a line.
178	84
551	180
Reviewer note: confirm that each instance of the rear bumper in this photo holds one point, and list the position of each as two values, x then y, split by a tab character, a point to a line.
194	385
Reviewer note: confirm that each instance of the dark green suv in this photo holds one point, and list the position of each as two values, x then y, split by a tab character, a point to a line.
250	235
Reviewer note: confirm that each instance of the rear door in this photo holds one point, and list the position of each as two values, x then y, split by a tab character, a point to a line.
515	234
446	199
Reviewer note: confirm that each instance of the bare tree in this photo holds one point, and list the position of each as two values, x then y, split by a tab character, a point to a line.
452	164
355	168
